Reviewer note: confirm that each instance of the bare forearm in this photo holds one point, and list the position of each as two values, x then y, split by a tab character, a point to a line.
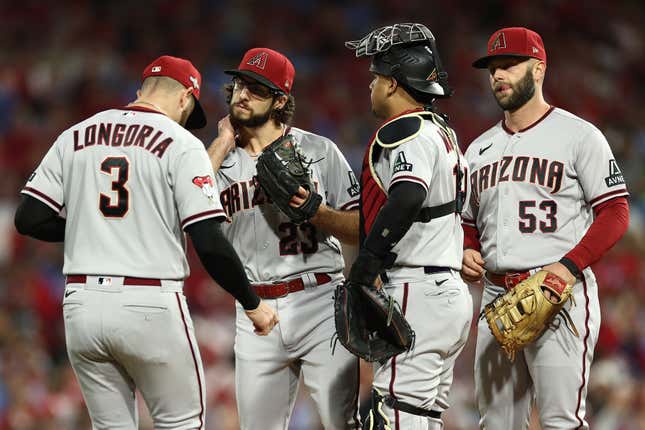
341	224
217	153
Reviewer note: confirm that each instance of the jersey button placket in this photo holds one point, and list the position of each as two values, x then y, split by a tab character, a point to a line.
502	209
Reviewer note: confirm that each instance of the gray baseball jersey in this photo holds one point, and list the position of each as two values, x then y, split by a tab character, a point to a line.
125	174
533	194
430	160
130	180
425	280
273	249
533	191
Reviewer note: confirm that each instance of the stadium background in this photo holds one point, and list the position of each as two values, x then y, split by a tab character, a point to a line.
61	62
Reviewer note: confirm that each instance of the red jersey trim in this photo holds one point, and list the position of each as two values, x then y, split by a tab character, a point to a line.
141	109
215	213
43	198
511	132
408	178
353	204
612	194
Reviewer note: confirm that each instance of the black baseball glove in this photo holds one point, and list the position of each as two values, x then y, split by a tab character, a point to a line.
281	169
369	323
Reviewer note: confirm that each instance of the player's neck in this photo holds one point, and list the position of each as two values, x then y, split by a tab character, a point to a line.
150	105
257	138
401	103
527	115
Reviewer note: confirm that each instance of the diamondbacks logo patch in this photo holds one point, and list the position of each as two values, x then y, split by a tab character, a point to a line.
259	60
498	43
432	76
401	164
615	175
206	184
354	189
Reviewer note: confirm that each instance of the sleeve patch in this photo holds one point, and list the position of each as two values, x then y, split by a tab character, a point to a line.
206	183
354	189
615	175
401	164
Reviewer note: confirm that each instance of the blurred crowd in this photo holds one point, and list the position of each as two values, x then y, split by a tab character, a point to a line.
61	62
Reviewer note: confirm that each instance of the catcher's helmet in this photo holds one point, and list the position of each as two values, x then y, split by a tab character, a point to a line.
407	52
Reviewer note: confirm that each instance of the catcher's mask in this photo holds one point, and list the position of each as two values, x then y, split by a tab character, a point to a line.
406	52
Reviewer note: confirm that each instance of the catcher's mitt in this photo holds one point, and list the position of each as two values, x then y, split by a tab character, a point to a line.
523	313
369	323
281	169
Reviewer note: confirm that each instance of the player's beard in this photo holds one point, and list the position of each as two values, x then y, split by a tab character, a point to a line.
255	120
523	91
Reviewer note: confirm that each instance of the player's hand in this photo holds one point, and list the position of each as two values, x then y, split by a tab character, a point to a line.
299	198
264	318
472	266
561	270
225	140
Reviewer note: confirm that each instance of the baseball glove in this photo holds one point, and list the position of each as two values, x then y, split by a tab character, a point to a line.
281	169
523	313
369	323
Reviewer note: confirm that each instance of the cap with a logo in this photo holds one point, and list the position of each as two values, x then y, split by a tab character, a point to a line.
513	42
186	74
268	67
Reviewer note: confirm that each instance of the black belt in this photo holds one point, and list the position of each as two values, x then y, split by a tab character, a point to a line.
428	270
408	408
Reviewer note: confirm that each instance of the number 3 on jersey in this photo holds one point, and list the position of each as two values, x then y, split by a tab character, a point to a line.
116	207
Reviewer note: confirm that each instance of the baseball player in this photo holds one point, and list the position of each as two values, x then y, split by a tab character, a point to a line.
546	193
295	267
130	182
412	190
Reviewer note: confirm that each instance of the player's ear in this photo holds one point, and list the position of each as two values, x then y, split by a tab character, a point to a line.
539	69
139	93
392	86
280	101
185	100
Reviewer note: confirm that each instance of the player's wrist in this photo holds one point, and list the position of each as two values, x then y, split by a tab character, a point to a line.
571	266
320	214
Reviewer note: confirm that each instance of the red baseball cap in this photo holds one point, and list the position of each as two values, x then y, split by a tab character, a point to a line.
268	67
513	42
186	74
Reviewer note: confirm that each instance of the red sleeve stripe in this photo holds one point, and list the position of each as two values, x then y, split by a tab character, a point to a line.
216	213
42	197
353	204
611	194
409	179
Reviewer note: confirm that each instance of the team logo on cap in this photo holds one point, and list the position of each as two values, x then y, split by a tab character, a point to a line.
194	81
499	42
259	60
206	184
156	69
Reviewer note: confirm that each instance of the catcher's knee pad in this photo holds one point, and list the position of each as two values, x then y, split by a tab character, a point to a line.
376	419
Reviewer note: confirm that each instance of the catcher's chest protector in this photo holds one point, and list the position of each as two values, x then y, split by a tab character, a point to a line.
392	134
